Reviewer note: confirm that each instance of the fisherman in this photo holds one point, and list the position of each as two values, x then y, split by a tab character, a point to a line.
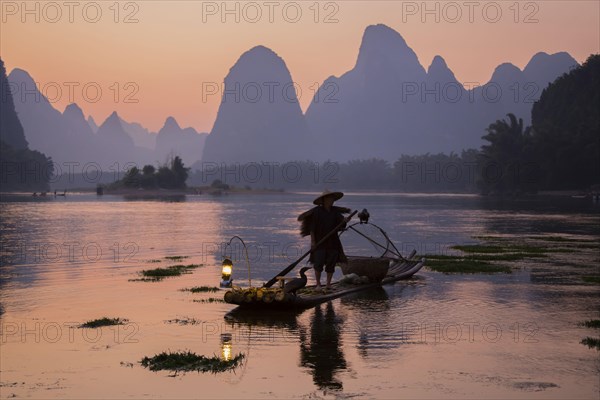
318	222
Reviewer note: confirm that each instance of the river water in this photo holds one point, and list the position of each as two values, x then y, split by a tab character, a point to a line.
68	260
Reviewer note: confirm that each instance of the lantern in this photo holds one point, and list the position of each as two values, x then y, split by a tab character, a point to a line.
226	271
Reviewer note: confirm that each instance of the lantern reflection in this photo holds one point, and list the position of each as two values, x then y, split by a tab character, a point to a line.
226	346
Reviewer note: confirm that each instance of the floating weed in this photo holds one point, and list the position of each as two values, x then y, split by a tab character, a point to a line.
559	239
176	258
144	280
154	261
494	238
105	321
591	279
465	265
201	289
183	321
209	300
484	248
479	248
174	270
188	361
592	343
591	323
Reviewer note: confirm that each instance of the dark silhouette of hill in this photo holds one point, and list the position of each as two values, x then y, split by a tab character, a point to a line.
21	169
141	136
263	122
566	128
92	123
388	105
173	140
11	130
69	137
42	123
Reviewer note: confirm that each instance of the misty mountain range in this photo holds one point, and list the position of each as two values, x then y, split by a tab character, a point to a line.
388	104
70	137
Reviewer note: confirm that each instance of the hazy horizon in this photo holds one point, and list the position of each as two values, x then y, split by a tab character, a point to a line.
169	74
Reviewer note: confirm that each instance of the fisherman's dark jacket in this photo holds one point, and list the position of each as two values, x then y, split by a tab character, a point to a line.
319	221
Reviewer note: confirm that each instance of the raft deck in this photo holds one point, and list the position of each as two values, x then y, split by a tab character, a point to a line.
310	297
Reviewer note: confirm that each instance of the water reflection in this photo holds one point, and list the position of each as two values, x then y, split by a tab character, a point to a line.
172	198
321	349
259	318
367	304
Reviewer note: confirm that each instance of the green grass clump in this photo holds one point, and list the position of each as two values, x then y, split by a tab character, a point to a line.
201	289
183	321
176	258
479	248
188	361
592	343
174	270
591	279
209	300
591	323
484	248
465	266
560	239
105	321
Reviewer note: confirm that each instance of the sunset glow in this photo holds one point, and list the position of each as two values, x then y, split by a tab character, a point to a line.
152	59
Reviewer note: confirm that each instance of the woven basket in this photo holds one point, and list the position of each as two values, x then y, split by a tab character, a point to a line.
374	268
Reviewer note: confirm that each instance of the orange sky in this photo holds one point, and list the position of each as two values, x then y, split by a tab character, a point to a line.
166	51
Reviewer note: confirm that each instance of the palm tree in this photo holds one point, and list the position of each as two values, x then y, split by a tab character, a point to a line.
506	163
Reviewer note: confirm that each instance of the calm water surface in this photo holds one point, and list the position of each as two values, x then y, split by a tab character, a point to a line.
68	260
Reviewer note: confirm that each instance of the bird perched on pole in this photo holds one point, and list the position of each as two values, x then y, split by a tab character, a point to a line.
297	283
363	216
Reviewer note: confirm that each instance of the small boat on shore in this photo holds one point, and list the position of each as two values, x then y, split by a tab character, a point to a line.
309	296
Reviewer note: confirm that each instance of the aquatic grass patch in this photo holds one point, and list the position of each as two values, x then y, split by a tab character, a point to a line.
105	321
209	300
591	279
495	249
183	321
490	238
189	362
560	239
173	270
201	289
592	343
591	323
176	258
503	256
465	266
479	248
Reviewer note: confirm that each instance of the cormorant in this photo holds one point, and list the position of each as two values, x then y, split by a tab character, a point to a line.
364	216
296	283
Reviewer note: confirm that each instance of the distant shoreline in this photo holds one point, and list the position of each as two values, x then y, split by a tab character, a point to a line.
207	190
193	191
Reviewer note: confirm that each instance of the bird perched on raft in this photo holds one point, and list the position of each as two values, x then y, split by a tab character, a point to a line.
363	216
297	283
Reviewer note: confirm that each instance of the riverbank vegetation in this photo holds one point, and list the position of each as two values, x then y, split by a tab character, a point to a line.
171	175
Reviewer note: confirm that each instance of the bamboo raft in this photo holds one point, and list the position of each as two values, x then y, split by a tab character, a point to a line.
309	296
